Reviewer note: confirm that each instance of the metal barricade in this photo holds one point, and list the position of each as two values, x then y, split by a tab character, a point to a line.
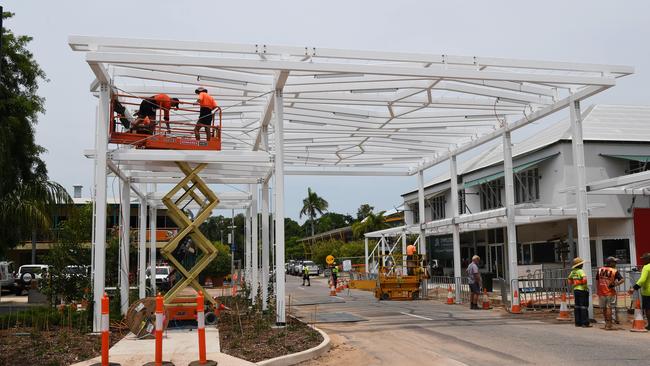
438	287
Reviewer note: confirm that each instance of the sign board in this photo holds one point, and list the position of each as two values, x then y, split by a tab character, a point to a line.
347	265
329	259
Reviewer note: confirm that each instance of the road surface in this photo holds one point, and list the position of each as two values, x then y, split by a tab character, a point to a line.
427	332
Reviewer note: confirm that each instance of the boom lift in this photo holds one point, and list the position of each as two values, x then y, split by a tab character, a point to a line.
399	279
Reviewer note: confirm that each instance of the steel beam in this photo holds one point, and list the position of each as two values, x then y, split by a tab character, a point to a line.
125	245
453	174
265	244
99	252
279	209
142	249
577	144
511	229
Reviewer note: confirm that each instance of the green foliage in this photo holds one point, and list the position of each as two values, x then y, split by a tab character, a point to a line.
363	211
332	220
220	266
26	194
313	205
44	318
217	228
372	222
338	249
69	249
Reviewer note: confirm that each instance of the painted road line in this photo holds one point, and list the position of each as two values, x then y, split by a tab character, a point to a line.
338	297
416	316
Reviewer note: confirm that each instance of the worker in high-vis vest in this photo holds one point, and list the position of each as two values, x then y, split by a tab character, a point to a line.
643	285
578	280
410	263
305	275
607	279
207	104
335	275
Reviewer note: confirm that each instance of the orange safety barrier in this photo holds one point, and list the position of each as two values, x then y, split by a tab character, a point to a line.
106	335
160	309
178	133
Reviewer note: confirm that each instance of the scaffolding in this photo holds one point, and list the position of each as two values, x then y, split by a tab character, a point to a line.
316	111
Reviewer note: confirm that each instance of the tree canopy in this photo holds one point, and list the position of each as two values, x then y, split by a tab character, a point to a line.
363	211
26	194
313	205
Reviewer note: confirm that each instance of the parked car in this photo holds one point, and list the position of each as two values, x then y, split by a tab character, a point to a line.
289	266
164	277
7	279
296	268
28	273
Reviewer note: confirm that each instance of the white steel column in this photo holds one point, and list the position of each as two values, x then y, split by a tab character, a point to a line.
255	242
125	245
279	208
422	248
511	228
265	244
142	250
248	250
153	212
404	264
453	174
101	147
584	249
366	253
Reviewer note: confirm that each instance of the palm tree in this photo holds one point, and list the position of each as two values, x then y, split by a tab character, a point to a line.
28	207
311	206
372	222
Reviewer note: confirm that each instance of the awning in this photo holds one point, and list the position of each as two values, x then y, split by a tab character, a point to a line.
639	158
500	174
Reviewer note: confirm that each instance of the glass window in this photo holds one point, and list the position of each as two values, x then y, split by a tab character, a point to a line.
437	205
619	248
638	166
544	253
527	186
490	194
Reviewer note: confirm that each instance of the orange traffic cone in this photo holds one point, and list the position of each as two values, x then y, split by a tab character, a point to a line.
486	300
638	325
564	310
516	308
450	296
332	290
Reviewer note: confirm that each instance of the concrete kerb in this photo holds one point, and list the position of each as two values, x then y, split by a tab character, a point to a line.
301	356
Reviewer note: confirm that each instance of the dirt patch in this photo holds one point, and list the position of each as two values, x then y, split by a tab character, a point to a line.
340	353
58	346
248	333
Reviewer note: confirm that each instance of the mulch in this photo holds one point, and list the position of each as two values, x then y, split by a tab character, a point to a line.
255	340
58	346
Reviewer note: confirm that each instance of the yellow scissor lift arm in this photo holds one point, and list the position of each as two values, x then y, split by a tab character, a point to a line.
192	185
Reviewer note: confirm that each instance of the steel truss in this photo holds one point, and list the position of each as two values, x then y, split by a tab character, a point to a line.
317	111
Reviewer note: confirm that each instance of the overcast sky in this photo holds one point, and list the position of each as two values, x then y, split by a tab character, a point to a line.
611	32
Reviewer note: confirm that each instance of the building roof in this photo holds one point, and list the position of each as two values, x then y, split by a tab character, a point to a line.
601	122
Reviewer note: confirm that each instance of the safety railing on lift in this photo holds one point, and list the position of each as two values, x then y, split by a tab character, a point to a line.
183	120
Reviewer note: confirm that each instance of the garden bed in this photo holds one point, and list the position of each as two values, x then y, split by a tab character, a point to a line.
249	334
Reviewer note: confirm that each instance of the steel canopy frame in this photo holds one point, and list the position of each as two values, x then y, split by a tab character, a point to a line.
313	111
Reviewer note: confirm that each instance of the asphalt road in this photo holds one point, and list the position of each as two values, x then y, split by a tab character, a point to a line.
428	332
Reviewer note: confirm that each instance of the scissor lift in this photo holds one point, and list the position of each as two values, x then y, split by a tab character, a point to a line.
191	190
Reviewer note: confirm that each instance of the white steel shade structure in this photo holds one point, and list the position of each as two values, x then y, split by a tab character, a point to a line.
342	112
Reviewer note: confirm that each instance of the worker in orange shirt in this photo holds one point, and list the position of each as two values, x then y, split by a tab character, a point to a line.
207	104
147	112
410	263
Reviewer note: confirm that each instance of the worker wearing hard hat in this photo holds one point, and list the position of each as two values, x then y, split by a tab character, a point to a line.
643	284
148	107
410	263
207	104
607	279
305	275
578	280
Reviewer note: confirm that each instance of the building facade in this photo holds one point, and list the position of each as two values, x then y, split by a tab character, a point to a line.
616	143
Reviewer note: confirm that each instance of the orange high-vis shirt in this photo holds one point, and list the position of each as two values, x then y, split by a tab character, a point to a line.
410	250
206	101
165	103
